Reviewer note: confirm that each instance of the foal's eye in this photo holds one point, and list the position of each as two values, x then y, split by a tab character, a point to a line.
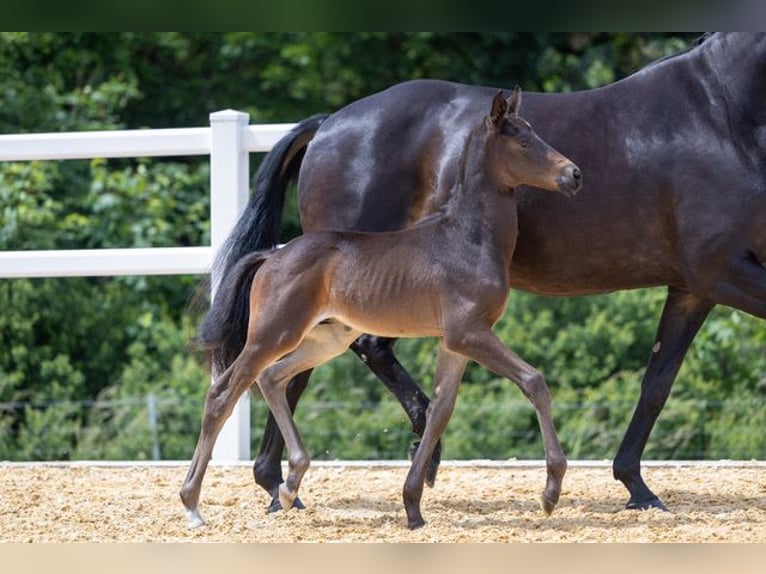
524	142
511	130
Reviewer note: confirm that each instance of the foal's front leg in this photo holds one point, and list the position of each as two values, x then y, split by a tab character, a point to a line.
449	372
483	346
378	354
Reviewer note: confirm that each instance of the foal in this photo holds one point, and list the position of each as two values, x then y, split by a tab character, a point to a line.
445	277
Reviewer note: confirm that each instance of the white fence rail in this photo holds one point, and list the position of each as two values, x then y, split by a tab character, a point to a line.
228	141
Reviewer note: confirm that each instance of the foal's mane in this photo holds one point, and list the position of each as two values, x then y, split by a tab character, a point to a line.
456	192
469	142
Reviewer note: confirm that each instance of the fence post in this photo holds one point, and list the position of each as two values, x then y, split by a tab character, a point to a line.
151	411
229	179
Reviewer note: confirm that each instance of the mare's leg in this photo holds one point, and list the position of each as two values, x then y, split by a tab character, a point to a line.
449	372
322	343
219	403
378	354
480	344
682	317
267	468
742	285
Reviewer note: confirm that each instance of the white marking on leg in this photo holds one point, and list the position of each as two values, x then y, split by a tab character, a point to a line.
194	518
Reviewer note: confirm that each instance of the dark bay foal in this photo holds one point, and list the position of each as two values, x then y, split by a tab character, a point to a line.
445	277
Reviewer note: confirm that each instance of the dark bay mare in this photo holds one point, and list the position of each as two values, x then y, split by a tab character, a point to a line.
675	195
445	277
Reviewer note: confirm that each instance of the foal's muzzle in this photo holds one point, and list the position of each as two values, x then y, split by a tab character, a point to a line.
570	180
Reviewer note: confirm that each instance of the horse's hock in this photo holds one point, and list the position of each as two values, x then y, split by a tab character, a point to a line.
472	501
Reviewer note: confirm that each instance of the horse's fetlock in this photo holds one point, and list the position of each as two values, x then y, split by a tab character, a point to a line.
300	463
624	470
558	466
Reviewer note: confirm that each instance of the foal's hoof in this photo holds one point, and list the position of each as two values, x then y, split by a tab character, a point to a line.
276	506
288	499
194	519
653	502
547	504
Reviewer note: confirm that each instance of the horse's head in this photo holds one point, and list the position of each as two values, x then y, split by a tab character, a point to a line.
519	156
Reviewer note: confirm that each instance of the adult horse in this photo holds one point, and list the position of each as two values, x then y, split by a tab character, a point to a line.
675	196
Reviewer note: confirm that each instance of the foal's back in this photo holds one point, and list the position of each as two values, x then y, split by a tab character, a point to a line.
391	284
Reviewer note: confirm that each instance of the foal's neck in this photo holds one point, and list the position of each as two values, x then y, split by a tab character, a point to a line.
482	207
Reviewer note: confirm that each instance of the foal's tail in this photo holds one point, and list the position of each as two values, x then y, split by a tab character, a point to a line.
224	330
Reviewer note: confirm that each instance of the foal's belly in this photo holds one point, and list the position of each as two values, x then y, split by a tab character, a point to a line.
397	316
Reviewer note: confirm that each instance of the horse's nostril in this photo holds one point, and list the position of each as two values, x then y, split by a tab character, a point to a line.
576	174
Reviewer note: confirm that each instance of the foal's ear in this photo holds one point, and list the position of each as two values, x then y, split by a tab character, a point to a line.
514	102
499	108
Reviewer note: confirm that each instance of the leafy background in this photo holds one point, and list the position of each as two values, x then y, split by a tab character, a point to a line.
81	359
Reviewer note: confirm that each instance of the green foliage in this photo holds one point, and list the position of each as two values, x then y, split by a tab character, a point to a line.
158	363
79	358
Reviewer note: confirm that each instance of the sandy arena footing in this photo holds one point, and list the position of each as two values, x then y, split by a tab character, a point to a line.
472	501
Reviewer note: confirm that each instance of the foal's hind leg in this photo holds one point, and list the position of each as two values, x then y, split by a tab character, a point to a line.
267	467
449	372
322	343
219	403
483	346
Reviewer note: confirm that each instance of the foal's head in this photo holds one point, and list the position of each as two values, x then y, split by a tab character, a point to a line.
519	156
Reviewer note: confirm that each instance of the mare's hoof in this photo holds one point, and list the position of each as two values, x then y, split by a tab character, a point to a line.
415	524
194	519
276	506
653	502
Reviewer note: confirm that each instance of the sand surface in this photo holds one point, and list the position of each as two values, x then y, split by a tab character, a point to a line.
360	503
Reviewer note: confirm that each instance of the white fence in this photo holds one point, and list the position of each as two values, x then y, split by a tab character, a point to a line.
228	141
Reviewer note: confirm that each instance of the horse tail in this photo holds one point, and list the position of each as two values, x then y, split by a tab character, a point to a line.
223	330
258	226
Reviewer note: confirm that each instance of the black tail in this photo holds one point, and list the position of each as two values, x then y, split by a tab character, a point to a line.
224	330
258	226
